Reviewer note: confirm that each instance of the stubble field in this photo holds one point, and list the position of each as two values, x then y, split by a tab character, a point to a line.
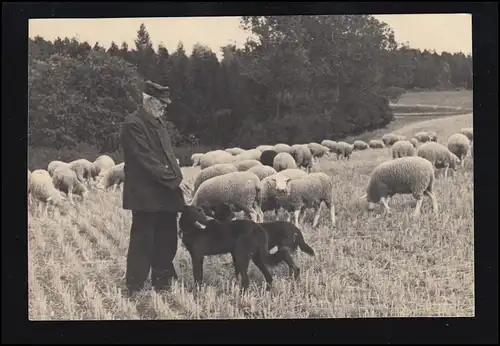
368	265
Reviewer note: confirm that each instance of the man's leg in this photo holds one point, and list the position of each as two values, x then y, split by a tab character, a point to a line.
140	250
165	248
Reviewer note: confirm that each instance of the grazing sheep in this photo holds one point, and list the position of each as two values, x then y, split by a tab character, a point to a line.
360	145
309	192
293	173
213	157
195	159
433	136
103	162
376	144
262	171
318	151
234	151
245	165
213	171
267	157
240	190
114	176
344	150
282	148
283	161
402	149
390	138
468	132
422	136
302	156
263	148
414	142
53	165
252	154
84	169
439	155
332	145
42	189
66	180
459	145
406	175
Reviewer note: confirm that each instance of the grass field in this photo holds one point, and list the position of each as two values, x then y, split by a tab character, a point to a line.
454	99
369	265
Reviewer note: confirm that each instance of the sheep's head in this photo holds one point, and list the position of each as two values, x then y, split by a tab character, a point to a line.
282	184
454	162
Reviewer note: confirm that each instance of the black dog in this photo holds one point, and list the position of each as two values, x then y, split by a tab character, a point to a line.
283	234
243	239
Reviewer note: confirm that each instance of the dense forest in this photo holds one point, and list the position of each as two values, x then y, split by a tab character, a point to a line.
301	79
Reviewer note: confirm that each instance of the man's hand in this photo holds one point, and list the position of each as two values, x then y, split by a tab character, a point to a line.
187	190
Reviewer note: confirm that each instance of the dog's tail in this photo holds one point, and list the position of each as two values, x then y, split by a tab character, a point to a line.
299	238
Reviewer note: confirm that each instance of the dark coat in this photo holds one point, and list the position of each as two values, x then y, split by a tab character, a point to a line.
152	174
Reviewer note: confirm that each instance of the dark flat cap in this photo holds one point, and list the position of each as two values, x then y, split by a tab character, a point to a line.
158	91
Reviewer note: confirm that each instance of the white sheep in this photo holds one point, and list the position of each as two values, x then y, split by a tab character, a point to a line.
344	150
422	136
283	161
468	132
295	195
213	157
262	148
252	154
245	165
332	145
195	159
66	180
439	155
302	156
213	171
234	151
376	144
239	190
42	189
113	176
360	145
390	138
318	151
406	175
414	142
262	171
84	169
103	162
282	148
402	149
459	145
433	136
54	164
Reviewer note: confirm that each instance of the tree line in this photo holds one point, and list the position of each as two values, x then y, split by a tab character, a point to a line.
300	79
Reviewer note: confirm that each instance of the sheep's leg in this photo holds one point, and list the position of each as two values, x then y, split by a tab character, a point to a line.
386	205
296	214
434	201
446	172
316	217
417	208
70	197
114	187
331	206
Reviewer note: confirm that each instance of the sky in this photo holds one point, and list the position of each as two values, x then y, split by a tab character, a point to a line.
441	32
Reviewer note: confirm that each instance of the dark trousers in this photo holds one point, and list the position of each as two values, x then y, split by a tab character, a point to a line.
153	244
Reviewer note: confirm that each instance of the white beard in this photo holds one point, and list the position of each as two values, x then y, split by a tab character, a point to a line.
154	106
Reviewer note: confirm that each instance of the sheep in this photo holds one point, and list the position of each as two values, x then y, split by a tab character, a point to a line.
262	171
406	175
414	142
422	136
267	157
234	151
103	162
213	171
42	189
344	150
295	195
459	145
332	145
433	136
402	149
252	154
376	144
263	148
439	155
66	180
468	132
53	165
246	164
360	145
114	176
302	156
195	159
390	138
318	150
84	169
282	148
213	157
241	190
283	161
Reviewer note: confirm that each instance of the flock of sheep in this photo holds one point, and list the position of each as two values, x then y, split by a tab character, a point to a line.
269	178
